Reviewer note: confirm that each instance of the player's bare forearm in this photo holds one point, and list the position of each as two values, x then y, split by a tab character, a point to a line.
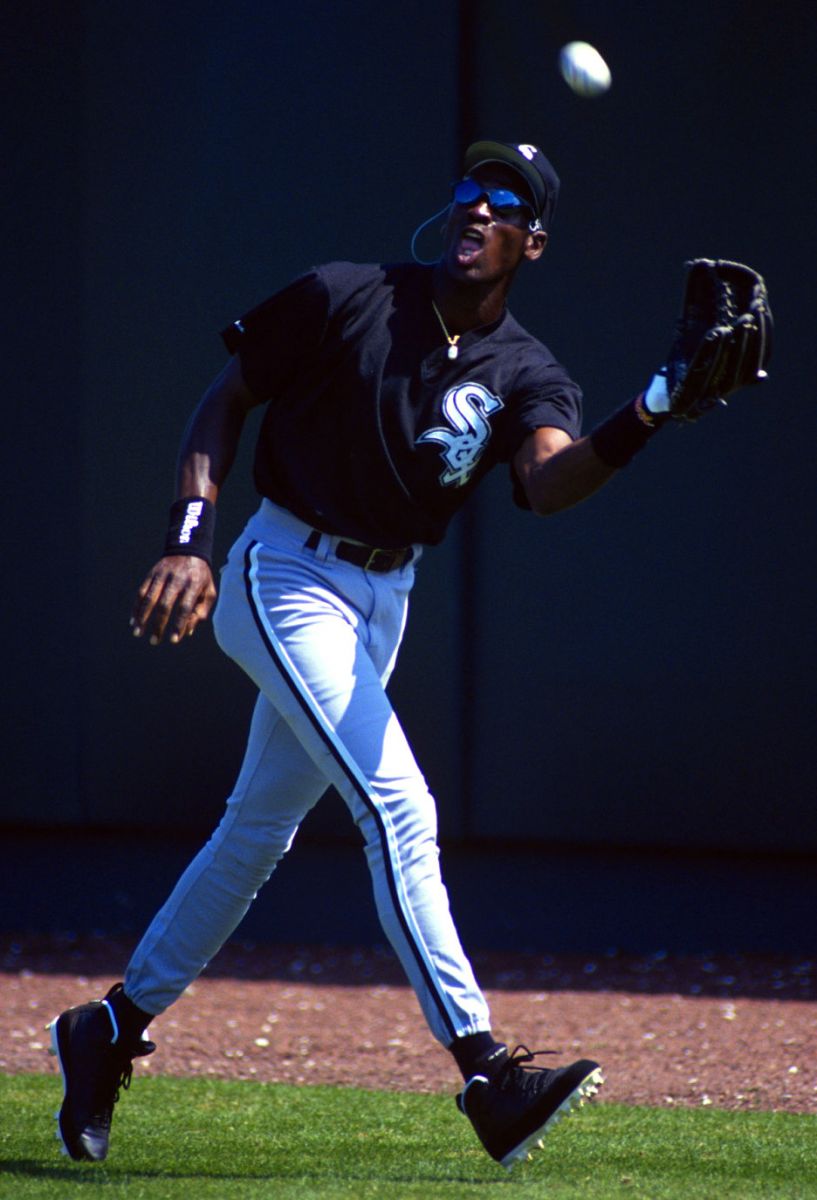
557	473
210	441
179	591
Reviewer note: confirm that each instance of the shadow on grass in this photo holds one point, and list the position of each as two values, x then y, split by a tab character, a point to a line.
411	1172
100	1176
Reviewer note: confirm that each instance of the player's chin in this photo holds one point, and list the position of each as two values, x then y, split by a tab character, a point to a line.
466	266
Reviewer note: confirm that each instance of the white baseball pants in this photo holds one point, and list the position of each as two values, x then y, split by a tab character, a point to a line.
319	637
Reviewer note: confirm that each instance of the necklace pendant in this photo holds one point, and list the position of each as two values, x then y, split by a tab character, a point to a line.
453	352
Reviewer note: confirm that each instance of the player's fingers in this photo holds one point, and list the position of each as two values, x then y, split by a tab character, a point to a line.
147	598
179	621
194	603
201	611
190	628
156	602
169	609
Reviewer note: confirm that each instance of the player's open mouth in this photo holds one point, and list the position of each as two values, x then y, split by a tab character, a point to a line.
469	244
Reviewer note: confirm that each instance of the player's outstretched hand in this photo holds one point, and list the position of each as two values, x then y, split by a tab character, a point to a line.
175	596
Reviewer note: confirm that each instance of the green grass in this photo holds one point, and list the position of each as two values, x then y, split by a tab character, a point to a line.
175	1139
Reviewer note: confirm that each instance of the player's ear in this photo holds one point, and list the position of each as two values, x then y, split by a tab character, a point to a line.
535	244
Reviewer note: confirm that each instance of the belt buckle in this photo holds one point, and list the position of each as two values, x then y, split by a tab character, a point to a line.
373	559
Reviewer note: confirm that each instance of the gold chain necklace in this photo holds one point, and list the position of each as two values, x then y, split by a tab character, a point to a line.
452	339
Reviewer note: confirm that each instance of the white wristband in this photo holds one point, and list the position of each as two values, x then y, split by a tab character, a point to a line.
656	397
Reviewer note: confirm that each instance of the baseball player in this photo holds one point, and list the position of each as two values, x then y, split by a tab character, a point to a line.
389	393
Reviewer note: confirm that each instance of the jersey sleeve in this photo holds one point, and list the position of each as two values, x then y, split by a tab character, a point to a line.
558	406
279	335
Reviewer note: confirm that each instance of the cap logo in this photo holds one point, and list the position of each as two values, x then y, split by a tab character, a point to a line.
528	151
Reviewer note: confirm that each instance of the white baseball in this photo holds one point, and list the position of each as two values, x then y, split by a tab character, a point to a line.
583	69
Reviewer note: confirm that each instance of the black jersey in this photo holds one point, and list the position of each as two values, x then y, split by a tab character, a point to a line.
371	430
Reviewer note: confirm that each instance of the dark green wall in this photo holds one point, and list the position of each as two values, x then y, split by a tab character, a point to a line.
636	671
657	642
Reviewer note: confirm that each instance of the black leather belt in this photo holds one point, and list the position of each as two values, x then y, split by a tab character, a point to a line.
368	557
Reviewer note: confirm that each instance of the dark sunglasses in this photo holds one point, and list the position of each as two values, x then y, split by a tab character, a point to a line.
503	201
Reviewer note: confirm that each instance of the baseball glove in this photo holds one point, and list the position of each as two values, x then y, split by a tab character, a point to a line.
723	338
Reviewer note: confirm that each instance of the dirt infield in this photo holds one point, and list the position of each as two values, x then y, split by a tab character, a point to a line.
735	1032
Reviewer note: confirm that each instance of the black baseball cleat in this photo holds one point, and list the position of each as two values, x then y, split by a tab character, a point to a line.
513	1108
95	1064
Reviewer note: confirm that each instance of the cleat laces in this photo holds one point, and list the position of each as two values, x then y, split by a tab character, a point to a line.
117	1081
526	1077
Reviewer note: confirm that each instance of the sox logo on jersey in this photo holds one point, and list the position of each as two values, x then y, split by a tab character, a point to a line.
466	407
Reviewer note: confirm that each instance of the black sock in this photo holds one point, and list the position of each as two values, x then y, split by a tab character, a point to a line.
132	1020
474	1052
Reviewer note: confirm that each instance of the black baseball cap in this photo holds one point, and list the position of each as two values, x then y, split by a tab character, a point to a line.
529	162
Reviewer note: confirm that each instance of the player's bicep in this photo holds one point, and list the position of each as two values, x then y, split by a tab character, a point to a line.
234	386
